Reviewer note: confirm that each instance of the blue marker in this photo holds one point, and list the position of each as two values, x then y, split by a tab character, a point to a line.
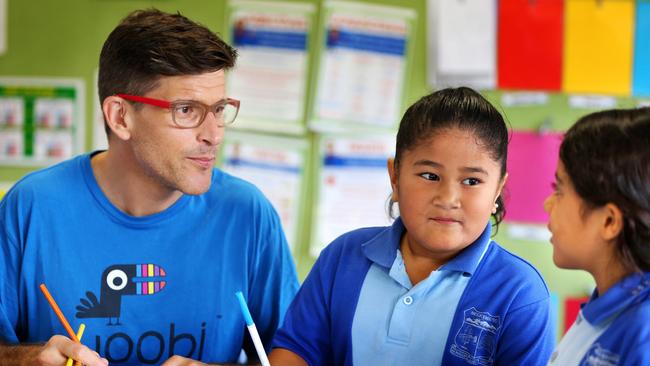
261	353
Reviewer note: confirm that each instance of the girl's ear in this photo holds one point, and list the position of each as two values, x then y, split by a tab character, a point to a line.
114	109
501	185
393	179
612	223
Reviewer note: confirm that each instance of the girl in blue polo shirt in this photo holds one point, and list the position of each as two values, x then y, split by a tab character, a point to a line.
433	288
600	221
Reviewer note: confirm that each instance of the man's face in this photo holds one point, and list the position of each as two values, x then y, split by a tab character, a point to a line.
178	159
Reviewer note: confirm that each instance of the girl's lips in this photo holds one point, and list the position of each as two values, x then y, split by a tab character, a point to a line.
445	220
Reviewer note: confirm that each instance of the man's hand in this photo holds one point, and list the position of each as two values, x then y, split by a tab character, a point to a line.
182	361
53	353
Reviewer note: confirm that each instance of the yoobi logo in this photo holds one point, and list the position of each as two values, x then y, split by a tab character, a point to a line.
150	346
121	280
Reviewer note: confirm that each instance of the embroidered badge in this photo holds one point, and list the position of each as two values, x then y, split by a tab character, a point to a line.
599	356
475	341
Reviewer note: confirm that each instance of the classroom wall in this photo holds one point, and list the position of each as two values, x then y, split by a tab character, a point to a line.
63	39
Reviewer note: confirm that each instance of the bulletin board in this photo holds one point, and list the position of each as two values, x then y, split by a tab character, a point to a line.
41	120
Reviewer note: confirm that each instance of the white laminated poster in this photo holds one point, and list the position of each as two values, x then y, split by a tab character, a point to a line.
270	77
353	186
462	43
53	113
12	112
11	145
41	120
53	144
362	66
100	139
275	165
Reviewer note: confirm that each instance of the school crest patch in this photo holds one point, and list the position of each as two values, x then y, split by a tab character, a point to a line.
475	341
599	356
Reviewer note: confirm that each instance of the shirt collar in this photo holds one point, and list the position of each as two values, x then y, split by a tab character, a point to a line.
625	293
382	249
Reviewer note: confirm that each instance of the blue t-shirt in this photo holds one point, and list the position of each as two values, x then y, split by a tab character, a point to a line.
146	287
501	314
612	329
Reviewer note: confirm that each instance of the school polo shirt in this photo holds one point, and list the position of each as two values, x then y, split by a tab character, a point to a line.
393	323
502	316
613	329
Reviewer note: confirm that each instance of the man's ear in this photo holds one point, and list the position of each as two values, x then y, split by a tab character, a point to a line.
114	109
612	223
392	173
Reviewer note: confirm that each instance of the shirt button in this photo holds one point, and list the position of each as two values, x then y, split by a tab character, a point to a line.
408	300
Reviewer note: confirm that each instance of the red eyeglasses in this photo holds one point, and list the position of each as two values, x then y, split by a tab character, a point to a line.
191	113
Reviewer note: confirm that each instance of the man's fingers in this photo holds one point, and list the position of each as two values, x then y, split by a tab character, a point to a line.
182	361
79	352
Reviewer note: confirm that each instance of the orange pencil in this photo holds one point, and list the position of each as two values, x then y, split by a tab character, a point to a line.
59	314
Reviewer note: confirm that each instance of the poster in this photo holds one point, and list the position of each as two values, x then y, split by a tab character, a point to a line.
277	167
598	40
526	188
462	43
641	82
270	77
362	67
530	44
353	186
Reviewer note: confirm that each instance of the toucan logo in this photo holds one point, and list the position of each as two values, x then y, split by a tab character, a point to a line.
120	280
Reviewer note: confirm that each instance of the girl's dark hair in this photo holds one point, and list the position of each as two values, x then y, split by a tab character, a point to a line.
461	108
149	44
607	157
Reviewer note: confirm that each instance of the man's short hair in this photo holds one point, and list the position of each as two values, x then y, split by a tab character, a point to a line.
150	44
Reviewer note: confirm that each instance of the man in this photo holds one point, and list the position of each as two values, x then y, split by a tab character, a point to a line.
145	243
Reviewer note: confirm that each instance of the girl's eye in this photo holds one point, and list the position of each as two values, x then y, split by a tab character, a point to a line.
471	181
430	176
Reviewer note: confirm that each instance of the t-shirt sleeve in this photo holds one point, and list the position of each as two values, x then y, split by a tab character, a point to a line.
528	337
9	269
273	280
307	328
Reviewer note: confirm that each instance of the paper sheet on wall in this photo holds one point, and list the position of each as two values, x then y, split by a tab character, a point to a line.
363	65
532	161
353	186
641	84
530	44
41	120
598	39
462	43
100	139
270	77
275	166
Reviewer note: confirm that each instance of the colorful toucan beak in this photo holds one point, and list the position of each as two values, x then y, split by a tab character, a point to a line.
149	279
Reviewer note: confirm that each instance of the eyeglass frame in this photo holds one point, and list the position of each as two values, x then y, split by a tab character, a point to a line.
166	104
